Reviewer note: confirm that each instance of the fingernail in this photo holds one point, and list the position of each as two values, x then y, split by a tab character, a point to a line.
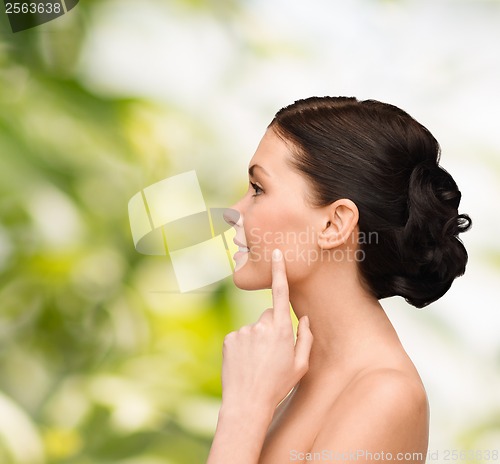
306	320
276	254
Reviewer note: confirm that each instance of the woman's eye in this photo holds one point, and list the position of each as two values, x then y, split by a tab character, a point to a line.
257	189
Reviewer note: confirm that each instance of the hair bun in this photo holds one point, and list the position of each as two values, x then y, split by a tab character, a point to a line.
432	254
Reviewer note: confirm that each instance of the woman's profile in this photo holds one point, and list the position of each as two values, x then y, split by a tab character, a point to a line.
347	204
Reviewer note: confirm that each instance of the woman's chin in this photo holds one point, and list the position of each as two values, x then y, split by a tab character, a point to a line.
248	280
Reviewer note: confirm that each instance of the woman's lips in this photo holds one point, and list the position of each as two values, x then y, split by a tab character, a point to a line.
241	252
242	249
239	244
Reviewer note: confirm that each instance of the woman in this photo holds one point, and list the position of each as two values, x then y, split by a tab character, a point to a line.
350	197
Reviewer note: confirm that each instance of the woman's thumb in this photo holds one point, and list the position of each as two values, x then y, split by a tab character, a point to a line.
303	344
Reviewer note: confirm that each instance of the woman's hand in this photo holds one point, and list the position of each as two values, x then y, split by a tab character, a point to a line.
261	364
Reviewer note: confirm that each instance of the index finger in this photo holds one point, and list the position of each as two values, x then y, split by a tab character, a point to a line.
281	302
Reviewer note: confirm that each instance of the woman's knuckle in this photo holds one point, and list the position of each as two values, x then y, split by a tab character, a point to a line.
245	330
229	338
259	327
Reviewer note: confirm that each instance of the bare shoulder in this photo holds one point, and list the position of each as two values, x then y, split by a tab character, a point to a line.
382	410
393	388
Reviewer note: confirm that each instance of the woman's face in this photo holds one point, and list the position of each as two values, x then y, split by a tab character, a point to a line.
274	213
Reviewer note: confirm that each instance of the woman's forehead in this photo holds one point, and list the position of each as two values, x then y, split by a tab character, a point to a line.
271	155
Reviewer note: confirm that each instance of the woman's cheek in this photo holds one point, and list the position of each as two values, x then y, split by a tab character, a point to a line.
255	253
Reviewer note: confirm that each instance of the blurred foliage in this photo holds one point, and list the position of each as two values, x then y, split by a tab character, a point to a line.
91	372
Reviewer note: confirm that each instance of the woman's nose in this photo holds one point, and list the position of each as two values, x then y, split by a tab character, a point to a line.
232	217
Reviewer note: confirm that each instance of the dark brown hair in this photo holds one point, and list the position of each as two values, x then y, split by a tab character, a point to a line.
387	163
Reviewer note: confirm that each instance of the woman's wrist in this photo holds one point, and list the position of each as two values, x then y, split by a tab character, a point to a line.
256	412
240	434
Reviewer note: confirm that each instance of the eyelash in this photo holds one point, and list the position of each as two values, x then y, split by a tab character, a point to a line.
257	189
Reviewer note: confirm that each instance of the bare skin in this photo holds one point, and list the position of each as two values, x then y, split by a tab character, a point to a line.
355	390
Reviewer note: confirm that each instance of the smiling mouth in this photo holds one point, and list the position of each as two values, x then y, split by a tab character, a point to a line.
242	250
241	246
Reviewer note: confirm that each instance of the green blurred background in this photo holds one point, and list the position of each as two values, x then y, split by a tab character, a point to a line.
98	363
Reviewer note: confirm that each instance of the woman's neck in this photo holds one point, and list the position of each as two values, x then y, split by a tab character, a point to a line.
349	325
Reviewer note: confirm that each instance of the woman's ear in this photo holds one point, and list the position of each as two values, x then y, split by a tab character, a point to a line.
340	222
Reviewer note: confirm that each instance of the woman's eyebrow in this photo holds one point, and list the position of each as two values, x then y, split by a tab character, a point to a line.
252	168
